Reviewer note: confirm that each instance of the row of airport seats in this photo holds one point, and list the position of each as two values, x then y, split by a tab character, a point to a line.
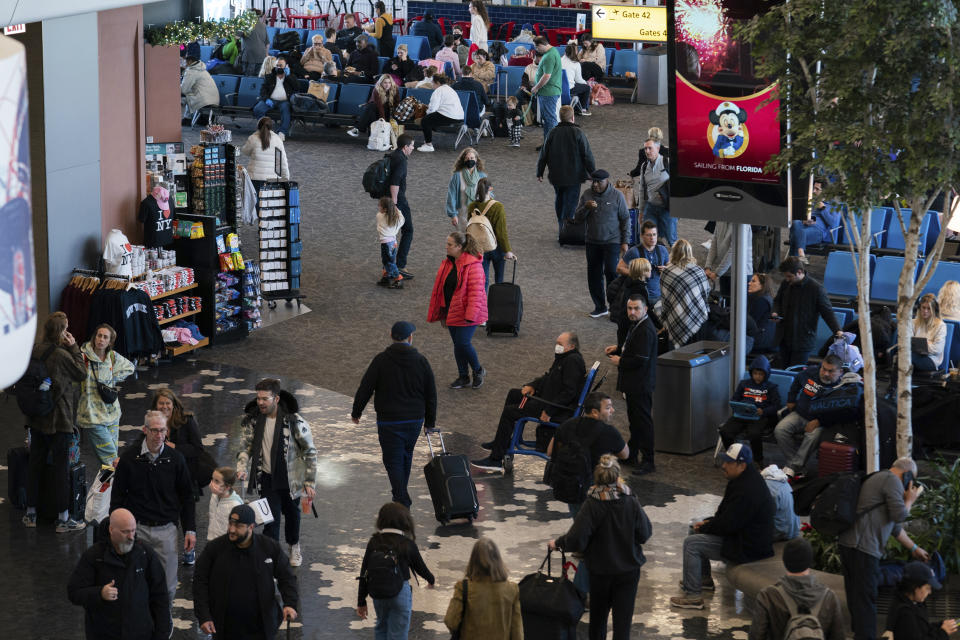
888	237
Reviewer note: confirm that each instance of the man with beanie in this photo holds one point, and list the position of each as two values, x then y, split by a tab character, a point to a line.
405	399
740	531
233	584
797	591
604	210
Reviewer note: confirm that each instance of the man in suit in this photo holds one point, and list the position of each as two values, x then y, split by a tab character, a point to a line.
636	360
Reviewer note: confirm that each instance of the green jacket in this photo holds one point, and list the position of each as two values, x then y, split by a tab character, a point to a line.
66	370
497	218
91	409
493	610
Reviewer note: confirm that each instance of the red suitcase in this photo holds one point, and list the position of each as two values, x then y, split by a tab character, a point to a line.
837	458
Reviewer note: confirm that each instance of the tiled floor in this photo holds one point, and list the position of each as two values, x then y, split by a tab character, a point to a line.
516	511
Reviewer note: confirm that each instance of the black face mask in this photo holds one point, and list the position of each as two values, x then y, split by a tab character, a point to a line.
469	164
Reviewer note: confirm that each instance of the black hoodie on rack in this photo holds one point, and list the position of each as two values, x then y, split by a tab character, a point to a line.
402	380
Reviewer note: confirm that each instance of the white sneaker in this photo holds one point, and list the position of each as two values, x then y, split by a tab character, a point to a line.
296	558
426	147
353	132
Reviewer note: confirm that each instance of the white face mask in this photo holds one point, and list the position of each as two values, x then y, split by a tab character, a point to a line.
559	348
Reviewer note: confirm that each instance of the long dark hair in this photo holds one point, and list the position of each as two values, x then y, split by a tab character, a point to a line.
264	127
483	185
571	52
481	11
381	8
394	515
179	415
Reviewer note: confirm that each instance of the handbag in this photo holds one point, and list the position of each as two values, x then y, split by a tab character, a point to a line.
107	393
319	90
463	614
553	597
98	498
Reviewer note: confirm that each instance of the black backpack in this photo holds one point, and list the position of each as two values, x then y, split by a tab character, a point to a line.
33	401
286	41
383	575
572	468
376	179
499	120
834	510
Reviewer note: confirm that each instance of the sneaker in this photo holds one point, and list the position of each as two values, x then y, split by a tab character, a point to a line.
29	520
396	284
63	526
705	585
426	147
190	558
787	471
585	113
460	383
384	281
804	260
599	313
487	445
353	132
296	558
406	274
515	145
687	602
488	464
478	377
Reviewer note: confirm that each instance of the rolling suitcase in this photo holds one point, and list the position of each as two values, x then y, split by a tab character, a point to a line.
17	476
572	232
505	306
451	486
78	491
837	458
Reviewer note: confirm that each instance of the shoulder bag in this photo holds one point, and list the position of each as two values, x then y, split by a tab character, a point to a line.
463	614
107	393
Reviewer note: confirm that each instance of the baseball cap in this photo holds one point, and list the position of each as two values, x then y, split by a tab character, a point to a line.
244	513
162	196
738	452
401	330
921	573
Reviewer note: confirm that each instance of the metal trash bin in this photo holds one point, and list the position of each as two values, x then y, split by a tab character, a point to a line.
692	397
651	85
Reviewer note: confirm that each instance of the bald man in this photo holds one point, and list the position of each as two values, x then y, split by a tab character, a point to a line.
121	584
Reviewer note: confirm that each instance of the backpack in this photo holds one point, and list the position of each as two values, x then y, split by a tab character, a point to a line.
34	401
307	103
572	469
286	40
834	510
376	179
801	626
405	109
383	575
599	93
480	229
379	136
499	120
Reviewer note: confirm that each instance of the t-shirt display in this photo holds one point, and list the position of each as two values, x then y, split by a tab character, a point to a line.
156	218
118	253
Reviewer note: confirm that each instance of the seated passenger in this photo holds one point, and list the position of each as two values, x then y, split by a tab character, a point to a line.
766	396
198	88
330	43
521	57
559	388
786	523
593	58
570	62
526	34
484	71
427	82
348	36
927	324
815	229
363	65
402	66
383	100
447	53
469	83
331	73
275	94
267	66
949	299
444	108
315	57
740	531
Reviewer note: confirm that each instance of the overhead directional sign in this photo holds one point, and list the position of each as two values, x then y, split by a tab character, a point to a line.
625	22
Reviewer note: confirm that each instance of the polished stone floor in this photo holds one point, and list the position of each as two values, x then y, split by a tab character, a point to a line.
516	511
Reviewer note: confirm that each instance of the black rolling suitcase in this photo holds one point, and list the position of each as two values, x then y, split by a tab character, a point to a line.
47	501
17	476
505	306
572	232
78	491
451	486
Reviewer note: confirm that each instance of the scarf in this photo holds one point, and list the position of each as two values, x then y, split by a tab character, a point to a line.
609	491
469	179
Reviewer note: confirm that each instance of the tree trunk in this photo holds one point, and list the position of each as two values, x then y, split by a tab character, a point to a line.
860	248
906	296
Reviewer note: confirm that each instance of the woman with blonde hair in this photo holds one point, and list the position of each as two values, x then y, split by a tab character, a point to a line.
383	100
468	170
927	324
609	529
492	607
267	67
949	299
686	289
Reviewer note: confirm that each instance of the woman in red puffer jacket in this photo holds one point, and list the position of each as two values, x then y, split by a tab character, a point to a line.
459	302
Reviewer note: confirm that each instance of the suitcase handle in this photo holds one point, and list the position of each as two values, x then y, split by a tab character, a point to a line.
443	448
513	280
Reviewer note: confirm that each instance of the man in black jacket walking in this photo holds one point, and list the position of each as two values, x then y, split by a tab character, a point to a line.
551	398
740	531
121	584
153	481
233	584
566	153
636	361
405	399
799	300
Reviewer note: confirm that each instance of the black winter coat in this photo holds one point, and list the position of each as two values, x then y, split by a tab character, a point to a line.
189	443
908	619
142	608
638	359
214	581
270	83
566	152
744	518
798	307
561	384
402	383
610	533
157	492
366	61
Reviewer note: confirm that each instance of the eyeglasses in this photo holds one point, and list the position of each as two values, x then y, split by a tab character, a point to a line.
157	432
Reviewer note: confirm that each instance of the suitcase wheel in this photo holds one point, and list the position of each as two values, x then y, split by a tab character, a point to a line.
489	330
508	464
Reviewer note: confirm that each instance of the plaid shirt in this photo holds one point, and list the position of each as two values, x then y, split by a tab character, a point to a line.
685	307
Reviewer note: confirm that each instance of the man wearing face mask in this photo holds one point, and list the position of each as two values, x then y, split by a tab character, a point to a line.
405	398
233	584
607	218
552	398
121	584
275	94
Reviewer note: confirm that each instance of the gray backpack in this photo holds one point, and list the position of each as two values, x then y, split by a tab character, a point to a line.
802	626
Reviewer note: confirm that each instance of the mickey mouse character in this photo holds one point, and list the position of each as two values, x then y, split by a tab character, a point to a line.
728	117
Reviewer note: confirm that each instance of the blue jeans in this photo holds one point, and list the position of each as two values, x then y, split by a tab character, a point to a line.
393	615
397	440
602	262
698	550
496	258
786	432
105	439
548	113
260	109
406	232
666	225
565	201
802	235
388	256
463	349
581	579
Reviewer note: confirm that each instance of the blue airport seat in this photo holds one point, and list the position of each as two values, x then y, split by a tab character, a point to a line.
248	93
895	239
933	231
610	55
227	87
337	61
886	278
945	271
383	63
205	51
839	277
783	380
423	95
512	46
418	47
352	98
513	78
953	335
837	234
625	60
948	347
846	314
272	32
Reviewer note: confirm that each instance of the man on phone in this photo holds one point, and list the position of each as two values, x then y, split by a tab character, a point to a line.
654	251
886	498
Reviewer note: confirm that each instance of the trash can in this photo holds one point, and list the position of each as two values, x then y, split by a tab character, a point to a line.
692	396
651	76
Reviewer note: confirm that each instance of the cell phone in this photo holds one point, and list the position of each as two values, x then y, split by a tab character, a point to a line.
907	479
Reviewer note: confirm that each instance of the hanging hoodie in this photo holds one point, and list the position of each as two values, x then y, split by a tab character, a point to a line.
786	524
765	395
